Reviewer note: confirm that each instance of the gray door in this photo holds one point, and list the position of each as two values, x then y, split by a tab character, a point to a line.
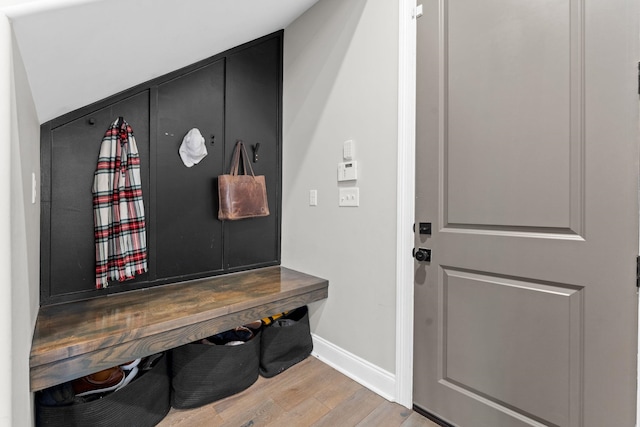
527	169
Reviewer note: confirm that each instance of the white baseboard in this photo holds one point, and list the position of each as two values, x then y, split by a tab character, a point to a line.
369	375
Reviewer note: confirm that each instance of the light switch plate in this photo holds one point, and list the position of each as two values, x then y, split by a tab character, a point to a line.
34	187
349	196
313	197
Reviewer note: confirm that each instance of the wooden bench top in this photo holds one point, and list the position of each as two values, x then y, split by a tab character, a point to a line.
78	338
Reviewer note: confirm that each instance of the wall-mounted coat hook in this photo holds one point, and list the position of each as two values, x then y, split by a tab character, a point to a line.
91	121
213	139
255	152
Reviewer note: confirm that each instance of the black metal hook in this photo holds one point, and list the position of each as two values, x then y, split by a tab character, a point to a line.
255	152
92	121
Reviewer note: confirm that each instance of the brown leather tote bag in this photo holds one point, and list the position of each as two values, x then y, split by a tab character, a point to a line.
241	196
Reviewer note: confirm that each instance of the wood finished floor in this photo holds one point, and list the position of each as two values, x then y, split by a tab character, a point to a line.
308	394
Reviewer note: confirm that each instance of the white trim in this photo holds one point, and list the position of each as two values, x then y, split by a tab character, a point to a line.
369	375
405	202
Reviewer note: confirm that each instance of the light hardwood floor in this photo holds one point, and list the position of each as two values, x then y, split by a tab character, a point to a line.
308	394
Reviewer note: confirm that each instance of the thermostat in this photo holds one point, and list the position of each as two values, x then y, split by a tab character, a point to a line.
348	171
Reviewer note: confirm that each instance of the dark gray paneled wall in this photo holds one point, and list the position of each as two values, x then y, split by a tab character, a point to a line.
231	96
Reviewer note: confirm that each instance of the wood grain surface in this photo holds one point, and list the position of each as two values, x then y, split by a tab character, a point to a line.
78	338
310	393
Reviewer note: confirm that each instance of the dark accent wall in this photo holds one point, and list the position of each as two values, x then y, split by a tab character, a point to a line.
234	95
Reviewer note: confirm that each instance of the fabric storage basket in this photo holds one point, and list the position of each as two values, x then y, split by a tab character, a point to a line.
143	402
203	373
285	342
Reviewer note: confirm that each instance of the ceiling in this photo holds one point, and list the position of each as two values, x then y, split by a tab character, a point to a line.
77	52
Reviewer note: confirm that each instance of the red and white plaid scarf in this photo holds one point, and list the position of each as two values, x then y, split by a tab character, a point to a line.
118	210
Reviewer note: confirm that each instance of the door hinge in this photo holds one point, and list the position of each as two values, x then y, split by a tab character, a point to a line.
638	78
638	271
417	11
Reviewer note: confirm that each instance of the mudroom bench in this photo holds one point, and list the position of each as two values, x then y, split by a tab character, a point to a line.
78	338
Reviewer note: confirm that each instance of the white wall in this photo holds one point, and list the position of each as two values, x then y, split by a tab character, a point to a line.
67	41
340	83
25	237
5	221
19	232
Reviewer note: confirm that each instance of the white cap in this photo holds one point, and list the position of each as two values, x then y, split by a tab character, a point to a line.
192	149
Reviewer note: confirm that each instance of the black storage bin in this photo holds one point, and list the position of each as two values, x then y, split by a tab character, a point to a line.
285	342
143	402
203	373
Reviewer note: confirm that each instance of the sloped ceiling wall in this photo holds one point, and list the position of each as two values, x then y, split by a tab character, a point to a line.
80	51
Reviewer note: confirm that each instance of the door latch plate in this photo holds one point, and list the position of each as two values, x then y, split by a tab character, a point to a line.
423	228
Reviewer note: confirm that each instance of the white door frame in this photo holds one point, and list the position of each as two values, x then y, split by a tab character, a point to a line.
405	201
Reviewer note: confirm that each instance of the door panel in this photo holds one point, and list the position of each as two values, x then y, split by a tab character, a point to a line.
526	166
498	330
507	112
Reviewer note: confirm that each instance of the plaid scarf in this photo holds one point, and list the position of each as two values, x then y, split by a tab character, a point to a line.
118	210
